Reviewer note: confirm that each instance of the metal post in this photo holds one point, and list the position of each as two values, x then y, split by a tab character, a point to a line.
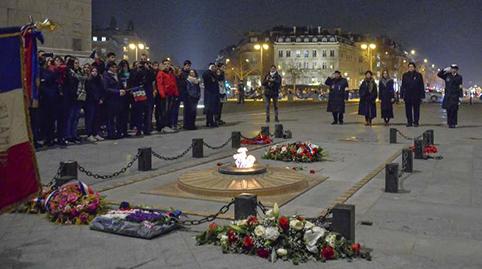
393	136
344	221
265	130
197	148
391	177
236	140
278	131
287	134
69	169
426	138
419	149
245	205
144	163
407	160
430	135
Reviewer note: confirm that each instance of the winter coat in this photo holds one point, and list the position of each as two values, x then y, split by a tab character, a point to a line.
453	89
95	89
112	88
166	84
70	86
272	84
337	94
211	92
386	93
413	88
368	97
193	90
48	83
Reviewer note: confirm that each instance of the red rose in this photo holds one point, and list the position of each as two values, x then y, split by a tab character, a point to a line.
300	218
328	252
213	226
248	242
312	171
252	220
284	223
219	164
262	252
356	248
232	236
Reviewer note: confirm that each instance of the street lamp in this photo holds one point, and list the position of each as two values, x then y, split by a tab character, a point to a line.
227	60
369	48
261	47
136	47
425	60
412	52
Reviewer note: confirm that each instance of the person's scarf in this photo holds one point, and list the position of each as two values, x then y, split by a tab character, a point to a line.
114	75
193	80
384	81
371	85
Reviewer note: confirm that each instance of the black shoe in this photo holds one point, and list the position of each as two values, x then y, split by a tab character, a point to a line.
147	133
62	143
276	119
138	133
333	123
451	126
415	125
267	119
341	122
221	122
409	125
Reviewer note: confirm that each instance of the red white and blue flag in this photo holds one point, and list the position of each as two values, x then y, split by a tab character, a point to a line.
19	178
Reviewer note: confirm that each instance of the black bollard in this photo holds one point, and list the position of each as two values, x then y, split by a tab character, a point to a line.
245	205
265	130
407	160
144	163
393	136
426	138
344	221
236	140
430	135
69	169
59	181
278	131
391	177
419	149
197	148
287	134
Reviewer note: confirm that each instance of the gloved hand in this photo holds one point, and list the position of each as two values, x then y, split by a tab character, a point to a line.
447	69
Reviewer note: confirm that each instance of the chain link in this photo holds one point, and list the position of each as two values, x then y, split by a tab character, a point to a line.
403	135
57	175
262	207
222	210
322	221
99	176
218	147
159	156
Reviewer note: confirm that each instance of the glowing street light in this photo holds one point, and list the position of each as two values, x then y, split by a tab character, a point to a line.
261	47
433	66
136	47
425	60
369	48
412	52
140	46
227	60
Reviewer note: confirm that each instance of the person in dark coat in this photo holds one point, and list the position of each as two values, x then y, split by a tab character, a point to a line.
183	95
123	75
211	95
412	91
272	84
193	93
50	106
453	91
95	95
114	93
368	97
222	91
386	94
336	96
137	81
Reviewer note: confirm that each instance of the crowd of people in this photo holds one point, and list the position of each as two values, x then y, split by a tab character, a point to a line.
412	91
119	98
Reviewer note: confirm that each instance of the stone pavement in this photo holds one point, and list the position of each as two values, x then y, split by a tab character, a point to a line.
434	223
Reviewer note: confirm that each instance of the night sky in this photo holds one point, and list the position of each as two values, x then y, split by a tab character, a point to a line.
445	32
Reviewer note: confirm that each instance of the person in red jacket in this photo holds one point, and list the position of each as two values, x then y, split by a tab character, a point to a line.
168	93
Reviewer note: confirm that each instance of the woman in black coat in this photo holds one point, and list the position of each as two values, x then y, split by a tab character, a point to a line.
337	96
95	96
368	97
386	94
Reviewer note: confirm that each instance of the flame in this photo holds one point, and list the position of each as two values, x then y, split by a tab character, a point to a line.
243	160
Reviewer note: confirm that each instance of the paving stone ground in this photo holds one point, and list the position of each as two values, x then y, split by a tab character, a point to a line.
434	223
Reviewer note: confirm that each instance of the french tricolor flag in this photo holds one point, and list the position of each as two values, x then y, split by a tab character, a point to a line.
19	178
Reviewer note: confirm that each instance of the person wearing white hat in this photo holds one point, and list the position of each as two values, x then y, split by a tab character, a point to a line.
453	91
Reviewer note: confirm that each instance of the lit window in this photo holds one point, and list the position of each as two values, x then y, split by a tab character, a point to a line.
94	38
104	39
298	54
306	53
280	53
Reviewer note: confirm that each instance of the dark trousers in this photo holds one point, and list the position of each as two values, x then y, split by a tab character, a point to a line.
190	110
92	118
124	115
268	104
210	118
139	111
337	116
147	128
157	112
218	116
412	111
51	118
241	97
452	116
73	121
163	107
174	103
35	123
114	121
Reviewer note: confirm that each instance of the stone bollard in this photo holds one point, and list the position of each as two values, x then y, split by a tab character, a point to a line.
144	163
391	177
343	221
278	131
407	160
245	205
430	137
265	130
197	148
236	140
393	136
69	169
419	149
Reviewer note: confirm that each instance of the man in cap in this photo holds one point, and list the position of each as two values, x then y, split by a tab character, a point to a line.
453	91
412	91
336	96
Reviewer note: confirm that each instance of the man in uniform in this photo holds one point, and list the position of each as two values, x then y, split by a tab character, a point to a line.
336	96
412	91
453	91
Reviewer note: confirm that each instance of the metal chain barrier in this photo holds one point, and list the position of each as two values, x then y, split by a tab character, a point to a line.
218	147
222	210
323	220
98	176
262	207
403	135
57	175
159	156
404	163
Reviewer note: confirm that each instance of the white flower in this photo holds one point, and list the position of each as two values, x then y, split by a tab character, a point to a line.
243	222
276	210
309	225
284	149
271	233
281	252
296	225
331	239
300	150
223	238
259	231
312	236
269	213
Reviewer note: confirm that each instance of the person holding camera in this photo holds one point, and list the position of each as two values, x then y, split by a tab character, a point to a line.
453	91
272	84
337	96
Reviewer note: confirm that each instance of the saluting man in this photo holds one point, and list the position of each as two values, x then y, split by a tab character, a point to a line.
453	91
